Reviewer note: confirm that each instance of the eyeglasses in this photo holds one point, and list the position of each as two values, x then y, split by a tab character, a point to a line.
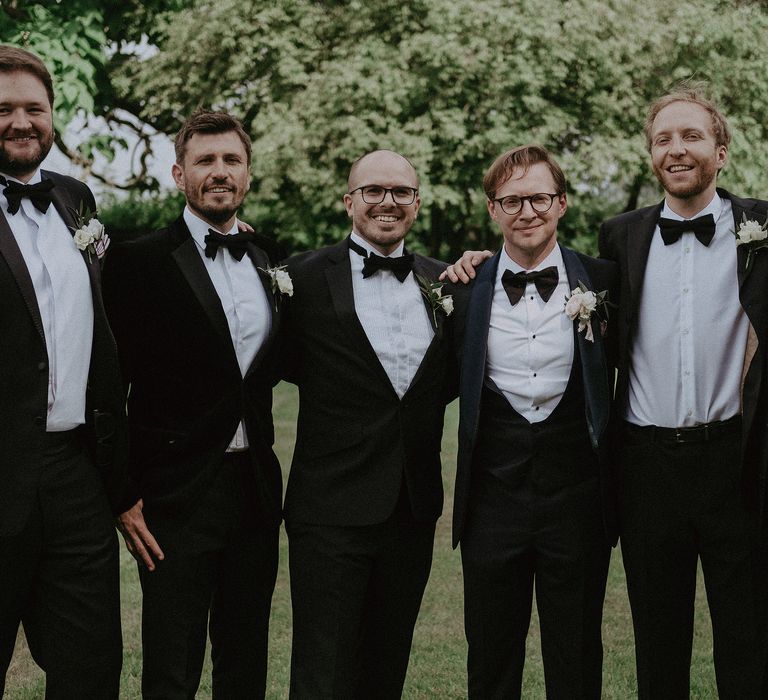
375	194
541	202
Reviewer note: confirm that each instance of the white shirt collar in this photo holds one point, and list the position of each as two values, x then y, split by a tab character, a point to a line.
714	207
36	177
554	258
199	228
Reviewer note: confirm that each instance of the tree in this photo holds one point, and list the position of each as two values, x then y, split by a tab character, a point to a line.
451	85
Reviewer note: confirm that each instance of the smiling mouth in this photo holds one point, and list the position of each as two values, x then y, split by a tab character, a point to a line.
218	190
679	168
385	218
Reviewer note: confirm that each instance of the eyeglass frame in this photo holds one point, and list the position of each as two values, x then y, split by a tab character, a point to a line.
390	190
529	199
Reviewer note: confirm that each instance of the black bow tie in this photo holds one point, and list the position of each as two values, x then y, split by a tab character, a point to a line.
39	193
400	267
514	283
703	228
236	243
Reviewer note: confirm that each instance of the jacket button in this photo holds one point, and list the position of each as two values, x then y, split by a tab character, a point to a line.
39	420
42	366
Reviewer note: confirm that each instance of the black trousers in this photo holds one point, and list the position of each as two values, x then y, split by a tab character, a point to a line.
515	539
681	503
218	576
356	593
60	579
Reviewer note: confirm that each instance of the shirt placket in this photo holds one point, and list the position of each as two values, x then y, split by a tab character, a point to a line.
687	330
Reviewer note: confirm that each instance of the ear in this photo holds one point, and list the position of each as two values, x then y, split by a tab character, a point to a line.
348	204
178	176
722	156
491	208
563	201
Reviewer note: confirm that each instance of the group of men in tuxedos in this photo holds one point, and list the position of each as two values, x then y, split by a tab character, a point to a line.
206	321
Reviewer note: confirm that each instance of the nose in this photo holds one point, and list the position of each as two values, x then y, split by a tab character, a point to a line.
530	213
677	146
390	194
219	169
20	119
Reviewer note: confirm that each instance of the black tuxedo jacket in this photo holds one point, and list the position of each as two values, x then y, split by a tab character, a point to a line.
24	374
473	313
186	394
357	442
626	239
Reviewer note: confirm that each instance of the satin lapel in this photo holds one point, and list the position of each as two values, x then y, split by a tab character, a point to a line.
15	260
261	262
338	274
639	239
436	320
739	211
65	205
591	354
475	347
188	259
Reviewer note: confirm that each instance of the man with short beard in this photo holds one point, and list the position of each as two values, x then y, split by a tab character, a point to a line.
62	432
691	390
195	317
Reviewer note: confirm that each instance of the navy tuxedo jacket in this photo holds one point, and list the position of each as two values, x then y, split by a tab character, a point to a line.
24	373
626	239
187	394
473	312
357	442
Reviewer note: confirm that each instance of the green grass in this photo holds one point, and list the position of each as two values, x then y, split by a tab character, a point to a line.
437	667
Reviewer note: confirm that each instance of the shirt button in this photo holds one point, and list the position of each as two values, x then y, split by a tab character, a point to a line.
687	250
685	331
536	408
533	336
534	374
690	413
685	289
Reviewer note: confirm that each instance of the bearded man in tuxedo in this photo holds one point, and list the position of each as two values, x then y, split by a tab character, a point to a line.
691	391
62	432
196	317
367	342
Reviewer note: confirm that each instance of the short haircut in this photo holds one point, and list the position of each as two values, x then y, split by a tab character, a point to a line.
695	93
13	60
206	122
523	157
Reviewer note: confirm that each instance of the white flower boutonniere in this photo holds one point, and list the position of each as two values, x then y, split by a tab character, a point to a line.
582	303
280	279
752	235
433	293
89	233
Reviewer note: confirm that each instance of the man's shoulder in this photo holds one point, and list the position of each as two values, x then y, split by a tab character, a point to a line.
66	181
319	257
430	266
629	217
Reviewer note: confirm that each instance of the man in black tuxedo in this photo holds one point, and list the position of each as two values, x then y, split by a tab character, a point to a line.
368	346
195	316
533	501
693	331
62	431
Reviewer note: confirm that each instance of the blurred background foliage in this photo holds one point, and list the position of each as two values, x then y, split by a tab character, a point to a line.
449	84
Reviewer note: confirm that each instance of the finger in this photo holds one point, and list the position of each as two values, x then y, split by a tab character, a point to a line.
442	276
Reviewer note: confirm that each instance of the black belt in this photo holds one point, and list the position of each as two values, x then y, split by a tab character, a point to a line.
696	433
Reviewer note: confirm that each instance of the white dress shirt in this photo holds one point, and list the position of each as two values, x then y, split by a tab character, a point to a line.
63	290
688	351
393	316
243	299
530	344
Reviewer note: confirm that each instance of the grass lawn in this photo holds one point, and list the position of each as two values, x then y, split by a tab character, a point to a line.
437	667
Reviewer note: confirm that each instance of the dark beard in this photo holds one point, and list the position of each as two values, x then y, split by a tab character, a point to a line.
25	166
217	216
